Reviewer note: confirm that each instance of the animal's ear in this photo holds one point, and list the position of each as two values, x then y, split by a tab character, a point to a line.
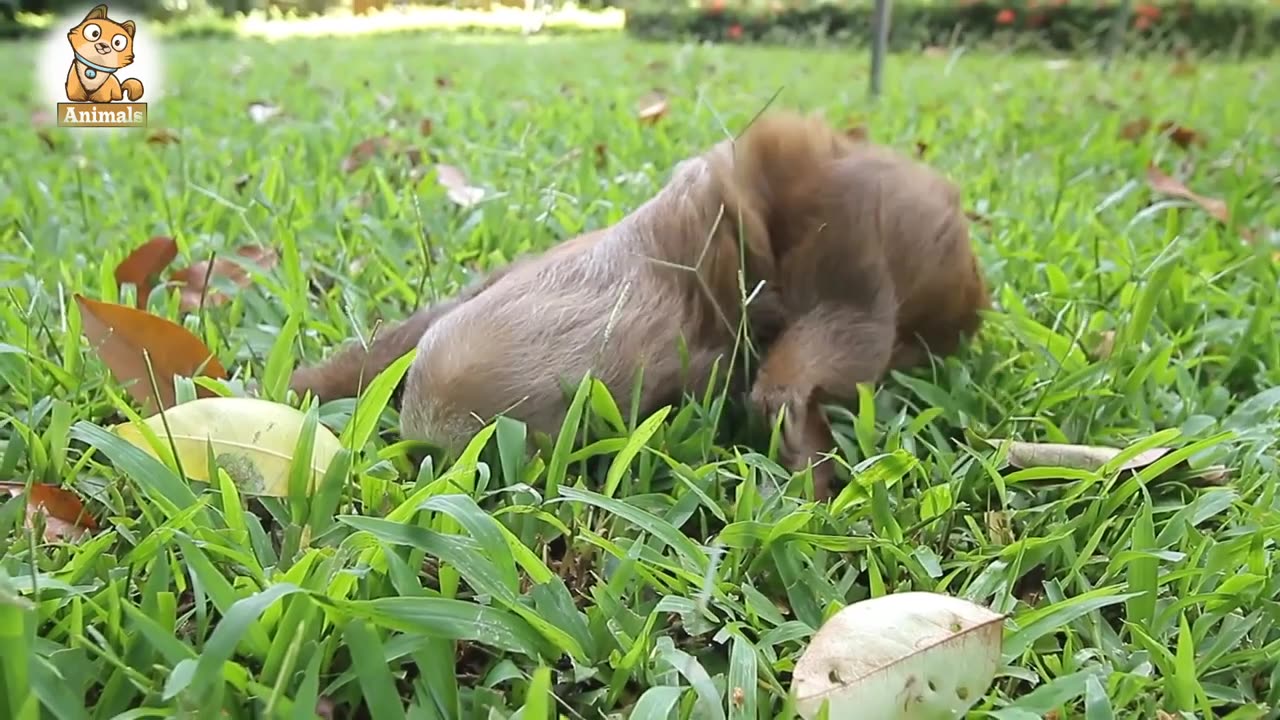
129	27
97	13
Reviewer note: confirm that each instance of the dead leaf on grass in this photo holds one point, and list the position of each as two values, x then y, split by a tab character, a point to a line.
425	127
194	282
652	108
1182	136
921	148
1093	457
142	267
363	152
1164	184
443	81
65	517
458	187
162	136
123	337
1135	129
602	155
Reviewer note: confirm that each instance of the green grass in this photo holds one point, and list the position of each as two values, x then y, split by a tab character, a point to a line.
688	575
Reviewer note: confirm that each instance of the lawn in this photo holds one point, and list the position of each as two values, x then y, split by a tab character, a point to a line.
687	576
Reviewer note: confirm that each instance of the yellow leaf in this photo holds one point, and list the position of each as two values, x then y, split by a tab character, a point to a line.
253	441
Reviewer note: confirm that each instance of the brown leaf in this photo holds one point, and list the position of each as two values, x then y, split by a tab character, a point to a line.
652	108
857	133
193	281
123	337
1183	137
65	515
1135	129
142	267
443	81
162	136
425	127
458	188
1162	183
602	155
363	152
921	148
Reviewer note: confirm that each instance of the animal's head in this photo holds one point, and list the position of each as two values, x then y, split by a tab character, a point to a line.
103	41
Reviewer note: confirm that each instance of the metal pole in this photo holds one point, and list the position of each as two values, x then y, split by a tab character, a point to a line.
879	44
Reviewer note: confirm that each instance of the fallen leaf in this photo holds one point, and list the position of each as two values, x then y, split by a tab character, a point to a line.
1135	129
425	127
363	152
1183	137
458	188
443	81
602	155
193	281
652	108
260	111
1162	183
1079	457
900	656
123	337
162	136
65	517
142	267
857	133
921	148
253	440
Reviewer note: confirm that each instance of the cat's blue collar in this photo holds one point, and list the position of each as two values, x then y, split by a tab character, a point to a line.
92	71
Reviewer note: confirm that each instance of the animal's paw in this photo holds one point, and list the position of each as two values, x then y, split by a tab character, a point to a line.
805	434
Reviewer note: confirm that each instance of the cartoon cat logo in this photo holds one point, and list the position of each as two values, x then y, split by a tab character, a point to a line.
102	46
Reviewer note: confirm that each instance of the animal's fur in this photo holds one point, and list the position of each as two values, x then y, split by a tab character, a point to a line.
107	44
864	256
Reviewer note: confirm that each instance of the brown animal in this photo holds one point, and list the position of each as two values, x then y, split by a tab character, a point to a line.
101	46
864	257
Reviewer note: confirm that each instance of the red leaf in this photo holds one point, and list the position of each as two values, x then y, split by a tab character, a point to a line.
142	267
65	515
194	281
123	337
363	152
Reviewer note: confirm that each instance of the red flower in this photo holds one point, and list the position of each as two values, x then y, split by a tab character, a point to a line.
735	31
1005	17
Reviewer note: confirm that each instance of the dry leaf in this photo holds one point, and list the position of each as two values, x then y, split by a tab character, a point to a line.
425	127
443	81
260	111
142	267
652	108
1135	129
363	152
899	657
123	337
602	155
458	188
1080	457
65	515
1183	137
1162	183
921	148
162	136
194	281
